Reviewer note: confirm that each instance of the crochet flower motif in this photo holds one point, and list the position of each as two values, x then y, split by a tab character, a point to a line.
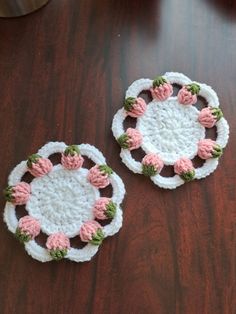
63	201
171	130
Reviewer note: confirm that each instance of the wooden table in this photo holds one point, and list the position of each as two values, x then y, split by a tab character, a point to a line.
63	74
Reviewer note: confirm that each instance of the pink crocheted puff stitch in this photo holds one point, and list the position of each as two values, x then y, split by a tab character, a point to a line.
170	129
63	201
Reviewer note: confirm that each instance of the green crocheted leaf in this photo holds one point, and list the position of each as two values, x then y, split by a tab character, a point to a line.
58	254
8	193
217	113
123	141
97	237
160	80
32	160
148	170
72	150
217	151
129	102
21	236
188	176
105	169
193	88
110	210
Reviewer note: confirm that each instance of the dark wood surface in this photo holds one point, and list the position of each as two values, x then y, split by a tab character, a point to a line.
63	74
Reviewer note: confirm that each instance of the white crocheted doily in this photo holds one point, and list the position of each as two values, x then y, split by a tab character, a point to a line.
61	200
171	128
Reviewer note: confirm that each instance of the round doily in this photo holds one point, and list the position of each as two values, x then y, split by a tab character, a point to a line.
63	201
170	129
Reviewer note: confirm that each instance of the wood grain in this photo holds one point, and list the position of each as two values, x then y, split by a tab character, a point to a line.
63	74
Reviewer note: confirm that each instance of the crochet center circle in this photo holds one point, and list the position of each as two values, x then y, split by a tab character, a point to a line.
62	200
170	130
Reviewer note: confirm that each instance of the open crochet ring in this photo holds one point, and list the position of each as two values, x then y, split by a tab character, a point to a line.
63	201
170	129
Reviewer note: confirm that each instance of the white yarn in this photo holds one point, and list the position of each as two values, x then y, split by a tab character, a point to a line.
62	201
170	129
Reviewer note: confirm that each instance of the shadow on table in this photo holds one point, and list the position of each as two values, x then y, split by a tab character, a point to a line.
226	8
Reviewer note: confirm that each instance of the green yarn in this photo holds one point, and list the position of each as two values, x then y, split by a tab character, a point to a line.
149	170
217	151
8	193
72	150
160	80
32	160
21	236
58	254
123	141
105	169
188	176
97	237
217	113
110	210
193	88
129	102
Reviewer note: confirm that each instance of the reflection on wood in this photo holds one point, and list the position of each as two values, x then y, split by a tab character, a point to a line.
14	8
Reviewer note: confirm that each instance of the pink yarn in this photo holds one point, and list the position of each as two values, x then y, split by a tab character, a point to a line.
88	229
135	138
162	92
206	118
58	241
138	108
205	148
185	97
99	208
71	162
98	178
21	193
183	165
41	167
153	160
29	226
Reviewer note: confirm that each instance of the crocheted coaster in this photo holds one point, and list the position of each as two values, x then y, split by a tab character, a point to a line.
63	201
171	130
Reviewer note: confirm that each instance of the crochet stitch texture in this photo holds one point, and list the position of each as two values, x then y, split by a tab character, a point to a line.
61	203
171	129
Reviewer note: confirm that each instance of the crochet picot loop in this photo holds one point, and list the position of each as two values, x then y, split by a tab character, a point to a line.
58	254
217	113
33	159
22	236
7	192
160	80
105	169
98	237
188	176
193	88
110	210
123	141
217	151
149	170
72	150
129	102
